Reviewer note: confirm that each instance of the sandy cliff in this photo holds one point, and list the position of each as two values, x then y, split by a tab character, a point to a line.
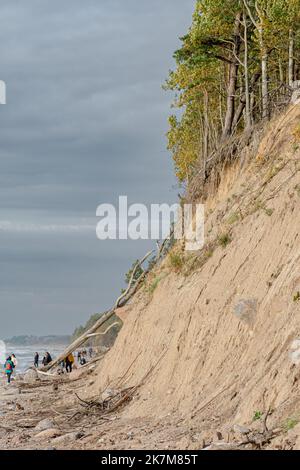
225	333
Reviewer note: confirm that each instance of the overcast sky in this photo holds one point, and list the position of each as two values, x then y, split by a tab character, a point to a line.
85	122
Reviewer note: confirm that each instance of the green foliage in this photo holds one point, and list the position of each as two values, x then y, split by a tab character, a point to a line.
199	86
257	415
176	261
152	262
138	272
204	63
77	332
233	218
208	253
82	329
296	133
269	211
199	259
155	282
224	239
154	285
295	147
296	297
105	340
290	423
184	142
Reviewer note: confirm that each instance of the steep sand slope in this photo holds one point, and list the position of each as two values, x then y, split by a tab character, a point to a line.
219	367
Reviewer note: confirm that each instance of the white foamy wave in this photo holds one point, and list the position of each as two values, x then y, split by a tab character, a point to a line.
2	352
25	354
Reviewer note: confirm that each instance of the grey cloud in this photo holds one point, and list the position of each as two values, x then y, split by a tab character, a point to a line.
85	122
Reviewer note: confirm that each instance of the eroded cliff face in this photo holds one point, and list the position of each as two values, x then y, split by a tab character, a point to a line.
223	337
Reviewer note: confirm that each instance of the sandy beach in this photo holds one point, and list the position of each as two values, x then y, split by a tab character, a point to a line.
48	415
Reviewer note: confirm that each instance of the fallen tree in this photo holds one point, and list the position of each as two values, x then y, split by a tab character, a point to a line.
121	301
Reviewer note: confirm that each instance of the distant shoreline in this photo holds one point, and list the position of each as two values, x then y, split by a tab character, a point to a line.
26	340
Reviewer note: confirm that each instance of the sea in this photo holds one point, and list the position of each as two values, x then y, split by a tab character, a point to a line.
25	354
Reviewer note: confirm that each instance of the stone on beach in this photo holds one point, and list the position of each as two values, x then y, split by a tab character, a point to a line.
48	434
44	425
31	376
71	436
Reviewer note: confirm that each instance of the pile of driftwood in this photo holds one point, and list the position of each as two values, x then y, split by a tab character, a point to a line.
114	398
110	404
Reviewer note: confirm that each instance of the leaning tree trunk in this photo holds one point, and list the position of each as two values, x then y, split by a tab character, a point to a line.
259	25
248	115
265	85
121	301
240	108
233	77
291	57
79	342
264	71
206	130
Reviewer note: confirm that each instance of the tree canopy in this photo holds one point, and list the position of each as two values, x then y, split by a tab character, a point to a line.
236	66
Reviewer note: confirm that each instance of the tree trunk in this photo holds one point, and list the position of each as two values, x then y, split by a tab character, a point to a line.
233	77
264	58
291	57
265	87
264	73
221	102
248	116
242	104
79	341
206	130
121	301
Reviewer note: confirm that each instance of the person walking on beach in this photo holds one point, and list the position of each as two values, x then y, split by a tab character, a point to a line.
36	360
46	359
9	367
82	361
14	361
49	358
69	362
78	356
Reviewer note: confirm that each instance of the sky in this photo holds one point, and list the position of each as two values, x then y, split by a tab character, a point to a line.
85	122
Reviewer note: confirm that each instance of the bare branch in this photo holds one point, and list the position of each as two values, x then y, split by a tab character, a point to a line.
123	299
250	14
131	281
104	332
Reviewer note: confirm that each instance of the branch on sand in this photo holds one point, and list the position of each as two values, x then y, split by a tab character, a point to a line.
121	301
48	374
116	400
104	332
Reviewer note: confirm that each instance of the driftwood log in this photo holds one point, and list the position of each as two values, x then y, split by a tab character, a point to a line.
121	301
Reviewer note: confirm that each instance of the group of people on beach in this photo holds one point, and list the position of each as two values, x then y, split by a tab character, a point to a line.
67	364
46	359
82	358
10	365
83	355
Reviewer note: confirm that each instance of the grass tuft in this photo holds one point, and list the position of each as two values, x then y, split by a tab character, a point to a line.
176	261
224	239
